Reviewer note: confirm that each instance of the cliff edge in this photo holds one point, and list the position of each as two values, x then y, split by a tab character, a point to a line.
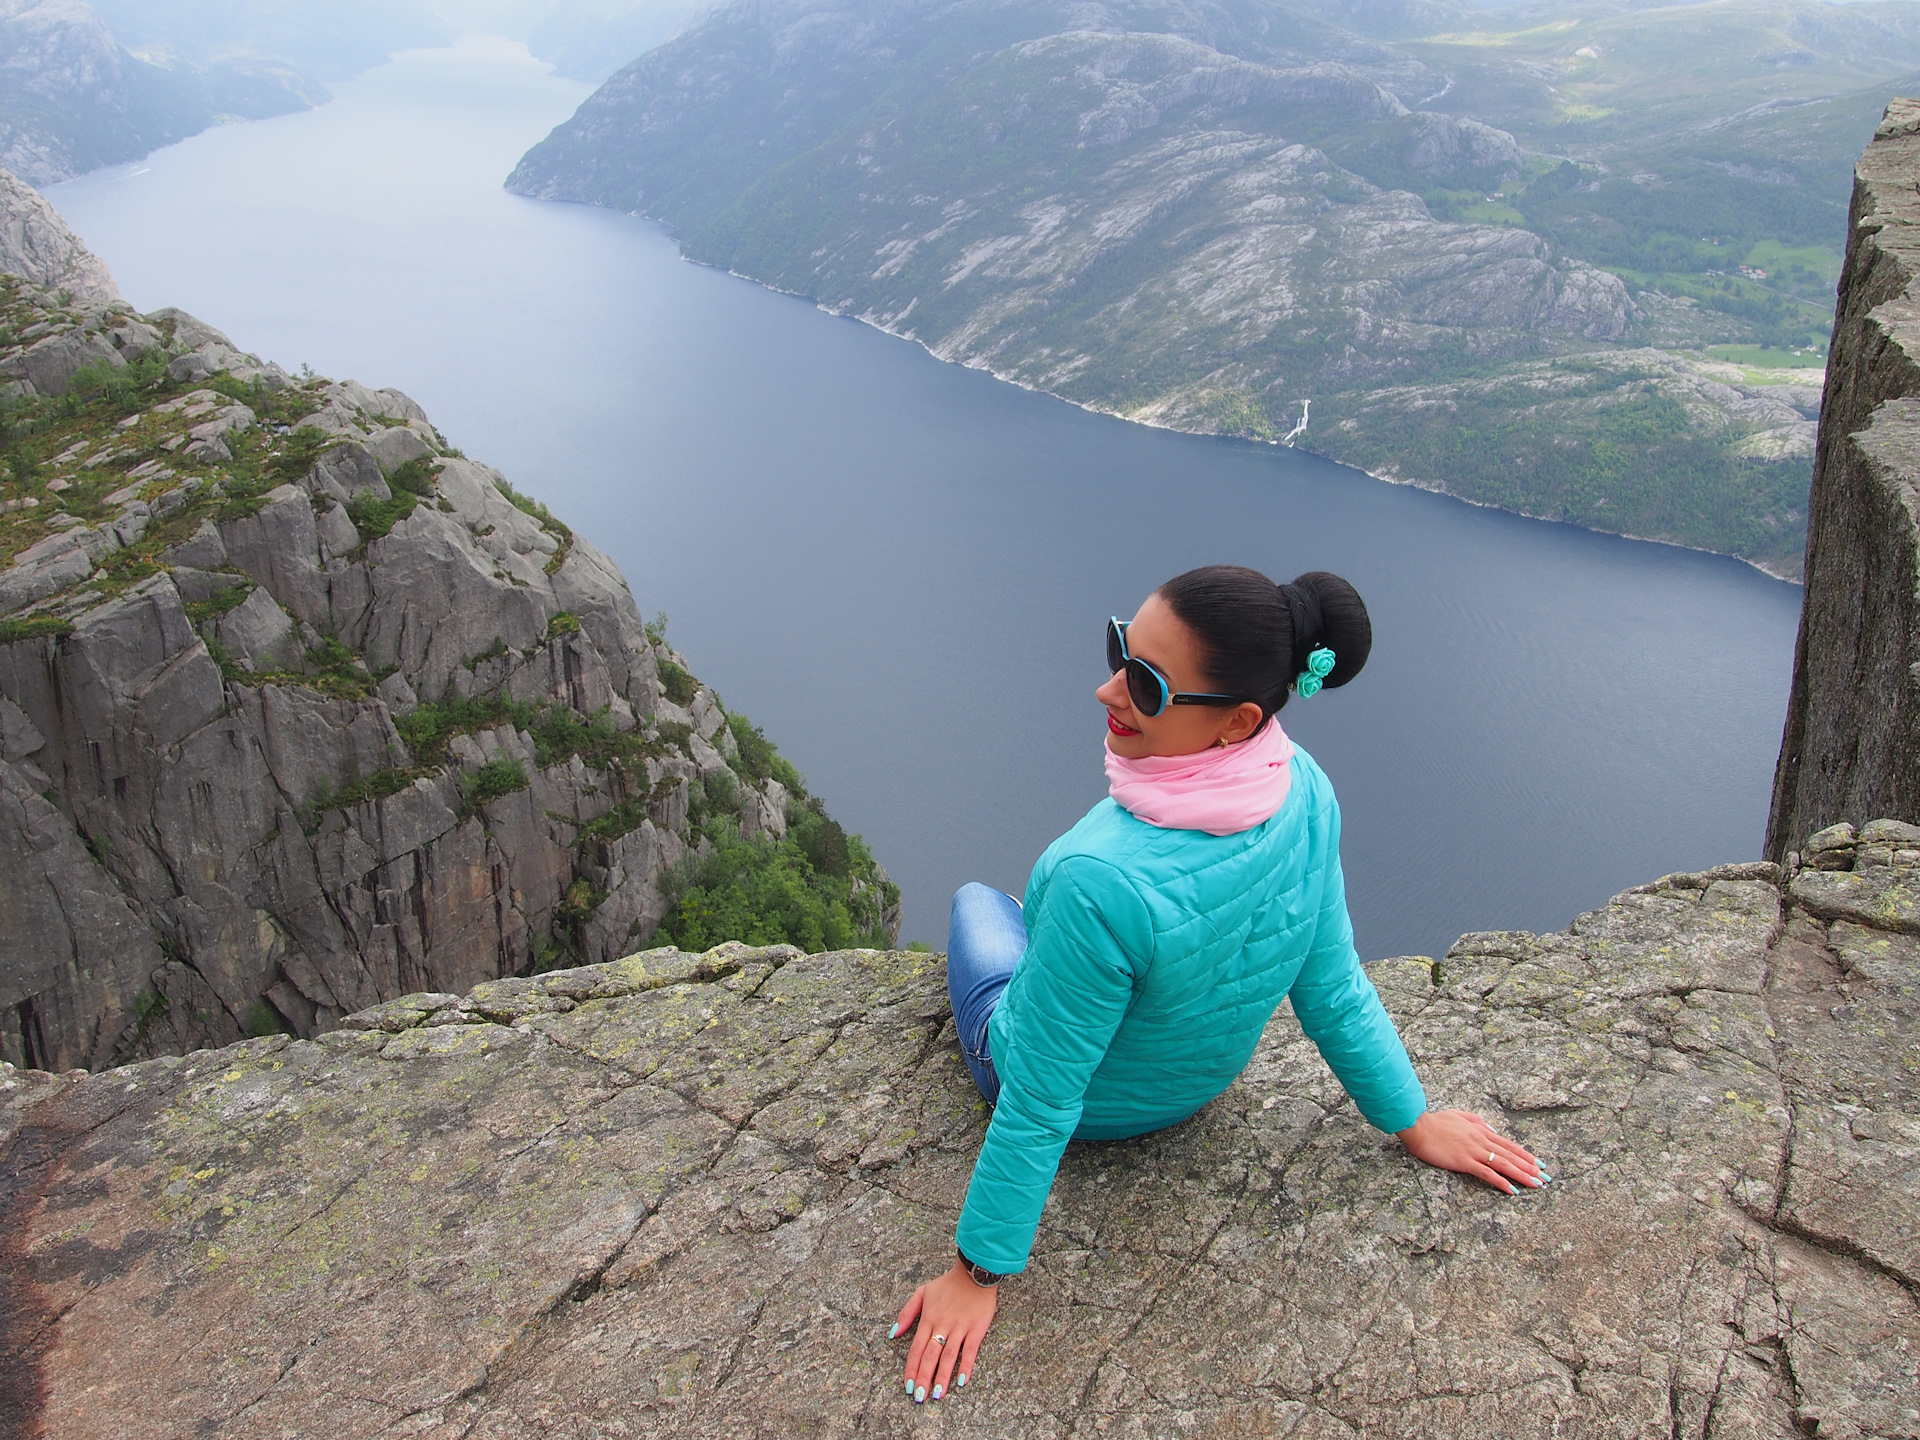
302	710
682	1195
1851	748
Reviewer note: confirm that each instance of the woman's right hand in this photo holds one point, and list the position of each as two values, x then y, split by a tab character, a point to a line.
954	1314
1460	1140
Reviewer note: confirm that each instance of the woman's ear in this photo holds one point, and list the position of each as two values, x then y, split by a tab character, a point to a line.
1242	721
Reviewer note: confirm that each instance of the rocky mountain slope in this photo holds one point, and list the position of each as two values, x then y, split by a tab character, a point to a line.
301	710
682	1195
1206	215
581	39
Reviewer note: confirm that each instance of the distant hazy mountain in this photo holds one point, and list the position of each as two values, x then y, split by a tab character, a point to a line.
322	39
94	84
1491	245
582	39
90	84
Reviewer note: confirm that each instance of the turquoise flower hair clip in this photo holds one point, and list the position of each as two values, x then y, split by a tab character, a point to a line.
1319	665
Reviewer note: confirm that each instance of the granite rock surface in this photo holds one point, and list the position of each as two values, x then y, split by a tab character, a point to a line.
229	599
1851	749
683	1195
35	242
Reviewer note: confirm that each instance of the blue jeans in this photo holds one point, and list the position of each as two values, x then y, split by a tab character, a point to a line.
984	943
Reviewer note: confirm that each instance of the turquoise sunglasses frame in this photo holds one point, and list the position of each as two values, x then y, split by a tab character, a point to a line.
1141	675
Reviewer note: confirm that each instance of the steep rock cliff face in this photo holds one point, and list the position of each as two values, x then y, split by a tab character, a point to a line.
36	245
1852	742
301	711
683	1195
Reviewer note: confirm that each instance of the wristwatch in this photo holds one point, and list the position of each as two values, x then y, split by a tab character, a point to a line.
980	1275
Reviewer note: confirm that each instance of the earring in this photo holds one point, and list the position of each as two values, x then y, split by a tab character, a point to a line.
1221	743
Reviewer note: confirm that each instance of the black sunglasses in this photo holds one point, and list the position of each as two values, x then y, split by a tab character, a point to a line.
1148	687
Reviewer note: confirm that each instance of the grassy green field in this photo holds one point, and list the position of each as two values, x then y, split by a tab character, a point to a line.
1758	357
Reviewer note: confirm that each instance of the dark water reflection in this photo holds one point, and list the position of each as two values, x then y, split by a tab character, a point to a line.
901	568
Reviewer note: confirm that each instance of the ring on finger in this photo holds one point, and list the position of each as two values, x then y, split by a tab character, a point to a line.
1490	1157
939	1339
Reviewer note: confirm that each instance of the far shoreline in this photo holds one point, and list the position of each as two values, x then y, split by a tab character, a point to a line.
1432	487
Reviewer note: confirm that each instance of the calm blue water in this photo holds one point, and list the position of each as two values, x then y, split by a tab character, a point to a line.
901	568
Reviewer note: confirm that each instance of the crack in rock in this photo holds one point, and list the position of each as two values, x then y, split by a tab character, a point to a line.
691	1209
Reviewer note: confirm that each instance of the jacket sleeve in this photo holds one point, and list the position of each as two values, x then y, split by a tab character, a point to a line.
1341	1013
1071	990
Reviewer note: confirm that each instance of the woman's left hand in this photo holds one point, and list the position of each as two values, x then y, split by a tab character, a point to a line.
954	1314
1461	1140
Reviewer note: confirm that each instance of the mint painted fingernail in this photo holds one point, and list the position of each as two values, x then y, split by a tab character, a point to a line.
1545	1179
909	1387
962	1380
920	1395
894	1331
936	1392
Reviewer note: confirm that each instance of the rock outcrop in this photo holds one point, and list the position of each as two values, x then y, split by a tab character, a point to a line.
36	244
683	1195
301	710
1852	743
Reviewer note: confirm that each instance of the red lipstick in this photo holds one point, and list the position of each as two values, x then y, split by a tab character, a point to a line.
1117	728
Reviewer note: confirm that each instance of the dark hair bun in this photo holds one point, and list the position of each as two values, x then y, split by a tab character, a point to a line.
1257	635
1344	626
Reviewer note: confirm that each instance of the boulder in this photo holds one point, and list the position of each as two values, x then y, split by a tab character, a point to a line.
396	446
52	363
259	634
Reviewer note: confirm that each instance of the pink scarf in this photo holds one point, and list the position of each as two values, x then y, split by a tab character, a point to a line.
1221	791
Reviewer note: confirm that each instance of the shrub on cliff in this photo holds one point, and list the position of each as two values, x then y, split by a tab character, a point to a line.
758	759
816	887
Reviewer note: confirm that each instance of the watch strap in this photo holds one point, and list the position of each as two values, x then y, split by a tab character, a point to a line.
979	1274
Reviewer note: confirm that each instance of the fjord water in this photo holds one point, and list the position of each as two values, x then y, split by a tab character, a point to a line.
901	568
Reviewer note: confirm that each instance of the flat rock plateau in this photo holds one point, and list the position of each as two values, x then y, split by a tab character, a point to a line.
683	1195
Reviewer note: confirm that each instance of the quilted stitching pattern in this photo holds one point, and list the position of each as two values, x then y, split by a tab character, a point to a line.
1155	959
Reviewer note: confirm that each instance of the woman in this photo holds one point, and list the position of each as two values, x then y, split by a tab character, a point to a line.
1161	932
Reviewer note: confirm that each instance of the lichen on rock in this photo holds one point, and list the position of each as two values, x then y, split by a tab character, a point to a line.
683	1195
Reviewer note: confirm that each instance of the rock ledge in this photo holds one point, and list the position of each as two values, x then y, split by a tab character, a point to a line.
682	1195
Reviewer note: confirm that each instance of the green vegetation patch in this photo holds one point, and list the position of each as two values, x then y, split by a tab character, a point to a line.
115	390
816	888
680	685
1759	357
1627	462
558	733
527	505
758	759
33	628
331	668
411	483
222	602
489	783
377	786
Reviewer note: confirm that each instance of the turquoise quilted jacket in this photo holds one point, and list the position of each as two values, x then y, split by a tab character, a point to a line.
1154	960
